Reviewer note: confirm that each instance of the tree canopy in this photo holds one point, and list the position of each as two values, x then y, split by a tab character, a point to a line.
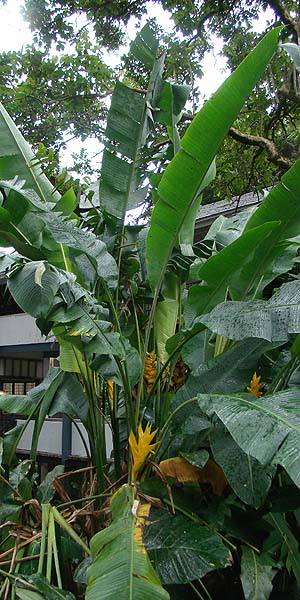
59	87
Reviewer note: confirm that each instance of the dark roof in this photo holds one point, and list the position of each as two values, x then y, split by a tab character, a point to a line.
209	212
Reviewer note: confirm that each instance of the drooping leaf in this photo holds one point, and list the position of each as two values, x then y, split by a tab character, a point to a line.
273	320
256	575
229	372
220	271
266	428
180	468
183	177
183	550
129	121
17	158
121	567
249	479
281	204
35	299
185	471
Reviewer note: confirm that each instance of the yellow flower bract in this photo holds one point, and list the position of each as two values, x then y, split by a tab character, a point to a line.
255	386
141	448
150	370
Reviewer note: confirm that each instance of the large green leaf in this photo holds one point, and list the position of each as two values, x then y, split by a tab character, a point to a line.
249	479
273	320
183	550
38	231
282	204
220	270
183	177
34	287
121	567
231	370
129	121
17	158
266	428
256	575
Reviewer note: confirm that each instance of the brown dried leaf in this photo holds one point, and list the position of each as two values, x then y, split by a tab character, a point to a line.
184	472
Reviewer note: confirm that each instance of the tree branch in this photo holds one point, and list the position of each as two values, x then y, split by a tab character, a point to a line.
282	12
261	142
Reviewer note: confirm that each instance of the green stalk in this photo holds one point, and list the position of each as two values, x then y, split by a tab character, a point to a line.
81	437
282	378
122	363
164	429
96	433
205	590
72	533
80	500
55	551
45	521
137	327
196	591
144	356
50	546
115	433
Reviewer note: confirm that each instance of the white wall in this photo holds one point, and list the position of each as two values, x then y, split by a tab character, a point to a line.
20	329
50	440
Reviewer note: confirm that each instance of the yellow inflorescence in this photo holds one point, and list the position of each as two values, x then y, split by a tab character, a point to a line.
141	448
150	370
256	387
110	389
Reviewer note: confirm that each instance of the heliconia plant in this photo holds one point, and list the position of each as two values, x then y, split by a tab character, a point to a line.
197	383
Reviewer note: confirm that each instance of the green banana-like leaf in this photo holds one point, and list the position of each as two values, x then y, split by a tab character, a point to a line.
129	119
39	291
182	549
273	320
183	177
282	205
220	270
187	230
256	575
121	567
266	428
17	158
248	478
36	230
166	314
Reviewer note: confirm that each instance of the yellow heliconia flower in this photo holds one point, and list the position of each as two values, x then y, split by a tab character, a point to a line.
150	370
256	386
141	448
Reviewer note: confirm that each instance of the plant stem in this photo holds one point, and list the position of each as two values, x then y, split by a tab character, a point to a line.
196	591
282	378
144	356
45	520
